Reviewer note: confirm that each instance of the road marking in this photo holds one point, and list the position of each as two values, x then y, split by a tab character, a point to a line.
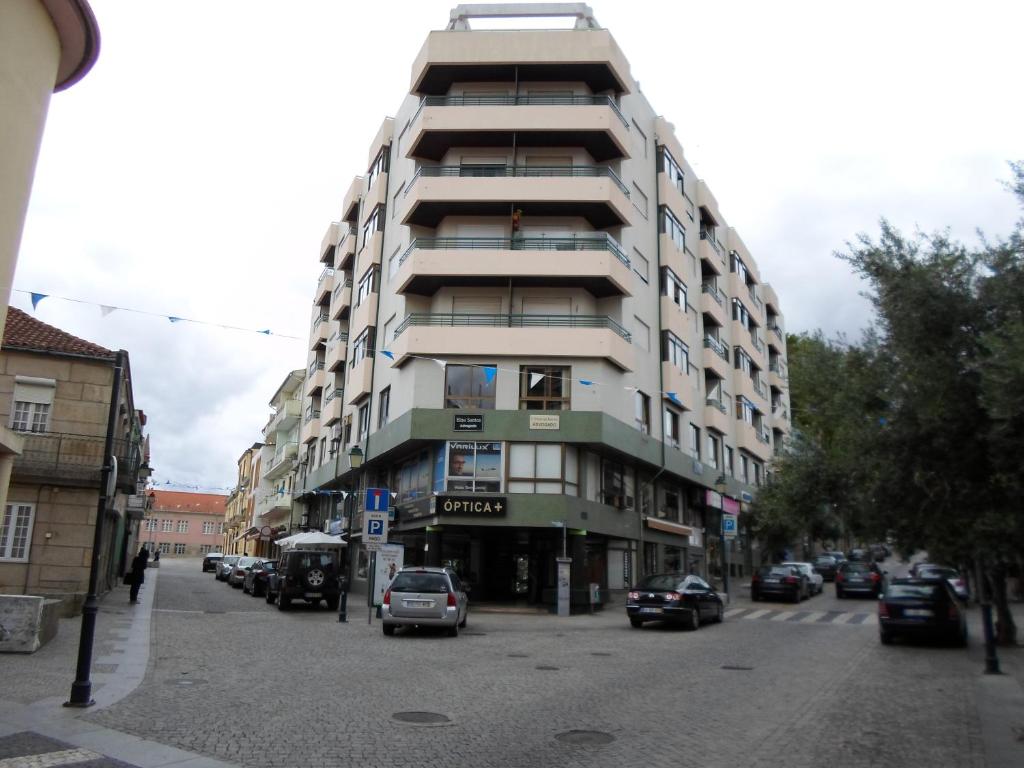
782	616
843	618
735	612
757	614
48	759
812	617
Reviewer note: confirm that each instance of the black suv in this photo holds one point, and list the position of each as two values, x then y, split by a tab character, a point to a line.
305	575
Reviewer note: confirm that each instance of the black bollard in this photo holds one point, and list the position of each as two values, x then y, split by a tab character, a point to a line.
343	607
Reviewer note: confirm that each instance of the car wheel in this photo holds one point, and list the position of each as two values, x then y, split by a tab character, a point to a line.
453	630
719	614
315	578
694	620
465	620
283	603
270	597
885	636
255	591
796	597
635	623
389	629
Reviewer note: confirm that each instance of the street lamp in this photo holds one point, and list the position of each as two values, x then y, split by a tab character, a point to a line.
721	487
355	461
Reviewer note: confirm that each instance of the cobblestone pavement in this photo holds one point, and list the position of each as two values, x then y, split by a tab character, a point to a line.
233	678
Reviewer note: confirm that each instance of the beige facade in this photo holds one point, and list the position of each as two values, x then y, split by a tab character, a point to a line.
529	236
240	509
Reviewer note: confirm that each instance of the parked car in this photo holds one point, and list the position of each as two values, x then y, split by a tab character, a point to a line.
211	561
878	552
826	565
921	608
255	582
304	574
839	556
785	581
425	597
815	581
858	577
916	568
236	576
952	575
673	597
858	555
224	566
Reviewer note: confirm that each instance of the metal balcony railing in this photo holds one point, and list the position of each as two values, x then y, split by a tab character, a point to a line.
762	436
716	346
759	387
328	272
341	286
323	317
336	392
316	365
588	242
311	413
512	321
718	404
709	237
777	331
518	171
758	344
777	367
713	292
75	458
521	101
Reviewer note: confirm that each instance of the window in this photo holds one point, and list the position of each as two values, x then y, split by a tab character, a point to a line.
641	265
714	449
614	485
382	407
540	468
740	313
412	478
151	525
675	351
474	466
669	225
209	528
370	283
30	417
394	262
183	526
323	448
742	361
639	200
757	472
380	165
362	347
469	386
375	223
728	460
364	421
205	549
348	429
641	334
744	468
641	136
668	165
642	412
673	287
745	410
544	388
736	265
695	442
672	427
179	549
395	198
32	400
220	528
16	531
389	332
164	547
167	526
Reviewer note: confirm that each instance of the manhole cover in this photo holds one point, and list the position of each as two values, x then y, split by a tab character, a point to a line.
518	655
585	738
421	718
546	668
601	653
184	682
735	668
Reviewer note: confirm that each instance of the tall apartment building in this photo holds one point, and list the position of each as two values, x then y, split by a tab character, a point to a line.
533	315
183	524
240	506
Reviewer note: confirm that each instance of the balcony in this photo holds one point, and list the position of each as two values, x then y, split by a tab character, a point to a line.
315	377
359	382
592	122
350	204
710	249
684	385
341	300
753	440
318	334
713	302
752	292
283	461
287	416
310	429
716	357
329	244
594	261
716	414
272	503
63	458
345	251
752	388
337	351
332	407
756	341
574	336
778	332
324	286
364	314
594	192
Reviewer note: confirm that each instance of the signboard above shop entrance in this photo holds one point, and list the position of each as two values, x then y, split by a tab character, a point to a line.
471	505
468	422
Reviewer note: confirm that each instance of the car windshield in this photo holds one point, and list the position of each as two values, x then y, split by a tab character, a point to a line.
826	560
776	570
420	582
245	562
800	566
231	559
662	581
856	567
938	573
914	591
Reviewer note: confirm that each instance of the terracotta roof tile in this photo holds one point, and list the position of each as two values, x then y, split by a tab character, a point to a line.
184	501
25	332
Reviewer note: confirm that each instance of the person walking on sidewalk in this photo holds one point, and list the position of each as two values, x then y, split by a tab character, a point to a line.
137	575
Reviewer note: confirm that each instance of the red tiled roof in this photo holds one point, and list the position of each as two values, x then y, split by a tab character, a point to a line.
183	501
25	332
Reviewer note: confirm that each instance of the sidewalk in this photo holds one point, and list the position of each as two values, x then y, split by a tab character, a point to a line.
37	730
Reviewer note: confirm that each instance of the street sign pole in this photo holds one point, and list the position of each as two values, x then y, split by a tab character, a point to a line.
373	586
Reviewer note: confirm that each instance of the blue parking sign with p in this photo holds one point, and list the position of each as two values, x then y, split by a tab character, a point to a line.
375	527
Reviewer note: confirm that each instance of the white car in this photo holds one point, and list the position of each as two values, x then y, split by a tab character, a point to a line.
815	581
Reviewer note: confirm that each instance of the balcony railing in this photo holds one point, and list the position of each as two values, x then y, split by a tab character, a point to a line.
512	321
713	292
328	272
68	457
316	365
777	331
759	387
518	171
598	242
341	286
284	452
311	413
713	403
777	367
718	347
753	295
709	236
336	392
521	101
758	344
323	317
763	436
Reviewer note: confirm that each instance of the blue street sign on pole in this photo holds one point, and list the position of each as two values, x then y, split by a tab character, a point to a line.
377	499
729	526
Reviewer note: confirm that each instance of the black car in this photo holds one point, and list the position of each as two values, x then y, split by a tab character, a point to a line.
673	597
786	581
923	609
211	560
255	582
826	565
859	578
309	575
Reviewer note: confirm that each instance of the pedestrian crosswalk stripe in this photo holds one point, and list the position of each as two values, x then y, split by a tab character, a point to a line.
812	617
757	614
803	617
843	618
734	611
783	616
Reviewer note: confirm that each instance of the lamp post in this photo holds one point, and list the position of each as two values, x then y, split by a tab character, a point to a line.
355	461
721	487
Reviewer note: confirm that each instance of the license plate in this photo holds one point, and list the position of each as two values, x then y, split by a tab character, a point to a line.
917	612
314	594
650	610
771	581
418	603
856	578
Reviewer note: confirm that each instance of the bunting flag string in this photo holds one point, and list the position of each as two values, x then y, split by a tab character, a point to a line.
108	309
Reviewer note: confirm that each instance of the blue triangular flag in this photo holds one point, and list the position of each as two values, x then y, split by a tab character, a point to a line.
36	298
489	372
672	397
174	319
266	332
586	383
388	355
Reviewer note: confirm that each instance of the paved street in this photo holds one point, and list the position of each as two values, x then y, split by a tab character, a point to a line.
802	685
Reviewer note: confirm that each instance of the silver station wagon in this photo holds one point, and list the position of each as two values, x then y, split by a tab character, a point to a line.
425	597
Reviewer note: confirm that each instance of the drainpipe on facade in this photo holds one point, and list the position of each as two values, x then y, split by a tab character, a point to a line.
661	368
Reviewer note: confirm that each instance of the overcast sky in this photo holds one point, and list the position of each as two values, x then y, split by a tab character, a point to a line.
195	169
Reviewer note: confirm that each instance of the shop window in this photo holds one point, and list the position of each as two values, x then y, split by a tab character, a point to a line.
544	388
474	467
412	479
469	386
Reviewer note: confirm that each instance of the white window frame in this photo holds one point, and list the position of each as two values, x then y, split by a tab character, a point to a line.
183	526
179	548
9	525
